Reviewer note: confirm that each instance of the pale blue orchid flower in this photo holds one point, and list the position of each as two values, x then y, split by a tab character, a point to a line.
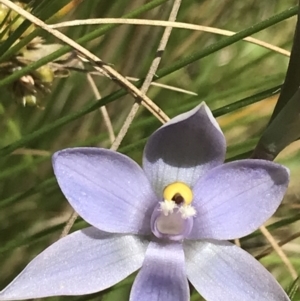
172	220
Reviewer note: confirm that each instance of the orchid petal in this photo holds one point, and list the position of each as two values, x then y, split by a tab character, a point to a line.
83	262
236	198
163	275
109	190
220	270
184	149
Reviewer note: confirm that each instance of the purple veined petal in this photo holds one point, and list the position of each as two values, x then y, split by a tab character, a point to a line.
220	270
107	189
83	262
163	274
184	149
236	198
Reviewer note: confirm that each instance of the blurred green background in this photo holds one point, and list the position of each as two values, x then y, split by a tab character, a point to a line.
33	211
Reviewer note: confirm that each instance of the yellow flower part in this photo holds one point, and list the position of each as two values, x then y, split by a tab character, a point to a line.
178	190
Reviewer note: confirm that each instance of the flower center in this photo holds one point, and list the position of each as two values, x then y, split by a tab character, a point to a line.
173	217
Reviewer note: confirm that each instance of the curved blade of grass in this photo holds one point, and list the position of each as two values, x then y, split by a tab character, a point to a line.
228	41
167	70
284	126
292	78
282	131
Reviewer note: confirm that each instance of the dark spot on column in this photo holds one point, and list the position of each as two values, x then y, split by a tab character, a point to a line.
178	199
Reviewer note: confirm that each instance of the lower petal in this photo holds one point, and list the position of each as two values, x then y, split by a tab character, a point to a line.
163	275
220	270
83	262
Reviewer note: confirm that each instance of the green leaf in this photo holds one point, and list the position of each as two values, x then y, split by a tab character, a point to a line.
282	131
292	78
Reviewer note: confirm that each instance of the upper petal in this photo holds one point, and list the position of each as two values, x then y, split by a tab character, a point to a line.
223	271
184	149
83	262
236	198
109	190
163	275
